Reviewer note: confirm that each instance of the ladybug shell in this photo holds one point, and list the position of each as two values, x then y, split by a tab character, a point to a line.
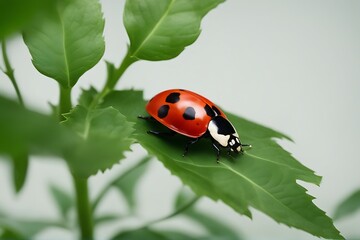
183	111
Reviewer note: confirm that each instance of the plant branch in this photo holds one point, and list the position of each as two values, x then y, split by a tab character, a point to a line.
114	181
83	208
113	78
64	102
9	71
84	213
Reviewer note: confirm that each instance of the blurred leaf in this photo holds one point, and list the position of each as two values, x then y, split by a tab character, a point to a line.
20	165
215	227
63	199
25	229
128	182
17	14
161	29
149	234
68	42
105	135
264	178
102	219
348	206
9	234
24	130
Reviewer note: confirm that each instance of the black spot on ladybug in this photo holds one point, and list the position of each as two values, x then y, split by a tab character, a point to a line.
209	111
163	111
216	110
224	126
189	113
173	97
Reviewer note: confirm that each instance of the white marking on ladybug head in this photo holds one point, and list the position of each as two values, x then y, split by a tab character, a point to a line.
223	140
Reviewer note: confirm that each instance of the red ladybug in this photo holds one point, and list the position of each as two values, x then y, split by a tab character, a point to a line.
194	116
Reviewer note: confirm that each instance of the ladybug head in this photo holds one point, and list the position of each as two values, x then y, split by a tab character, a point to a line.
234	143
224	133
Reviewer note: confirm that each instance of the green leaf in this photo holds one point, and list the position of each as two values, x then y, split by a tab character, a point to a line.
264	178
25	229
105	218
348	206
149	234
20	166
105	135
161	29
63	199
68	42
128	181
17	14
216	228
23	131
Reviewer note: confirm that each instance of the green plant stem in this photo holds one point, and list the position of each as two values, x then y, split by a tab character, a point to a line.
113	79
84	212
64	102
9	71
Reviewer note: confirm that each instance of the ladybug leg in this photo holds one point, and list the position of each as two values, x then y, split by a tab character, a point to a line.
157	133
188	144
217	151
147	118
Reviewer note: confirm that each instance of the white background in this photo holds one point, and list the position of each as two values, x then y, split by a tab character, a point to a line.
291	65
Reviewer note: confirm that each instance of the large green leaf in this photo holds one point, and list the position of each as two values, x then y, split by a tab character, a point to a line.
348	206
161	29
17	14
264	178
23	130
105	135
68	42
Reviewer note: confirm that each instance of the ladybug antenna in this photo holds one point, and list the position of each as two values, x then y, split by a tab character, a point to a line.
247	146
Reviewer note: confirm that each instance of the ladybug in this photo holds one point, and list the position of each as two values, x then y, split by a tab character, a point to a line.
192	115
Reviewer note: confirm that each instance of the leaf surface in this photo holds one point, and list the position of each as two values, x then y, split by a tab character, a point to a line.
161	29
16	14
24	130
264	177
105	136
68	42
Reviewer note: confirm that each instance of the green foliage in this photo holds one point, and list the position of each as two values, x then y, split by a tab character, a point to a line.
104	137
17	14
161	29
20	166
265	176
24	229
94	134
25	130
214	226
68	42
64	200
348	206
